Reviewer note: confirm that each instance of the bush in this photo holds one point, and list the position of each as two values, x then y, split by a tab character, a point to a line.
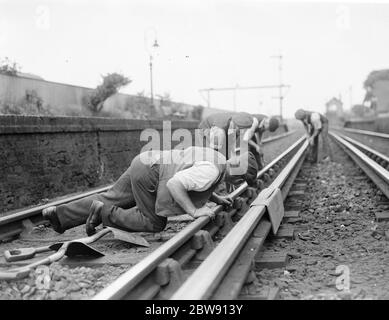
111	84
9	68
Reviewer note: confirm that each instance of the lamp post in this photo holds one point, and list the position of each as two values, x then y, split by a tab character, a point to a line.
153	50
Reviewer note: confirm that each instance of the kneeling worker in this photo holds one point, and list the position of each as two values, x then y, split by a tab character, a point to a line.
315	123
157	184
255	143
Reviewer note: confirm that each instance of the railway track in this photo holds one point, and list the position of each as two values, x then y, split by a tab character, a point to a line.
165	269
372	162
344	223
366	133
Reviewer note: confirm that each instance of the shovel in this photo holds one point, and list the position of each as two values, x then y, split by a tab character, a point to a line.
72	249
69	248
79	246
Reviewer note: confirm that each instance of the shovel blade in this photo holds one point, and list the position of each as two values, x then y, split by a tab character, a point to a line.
77	249
129	237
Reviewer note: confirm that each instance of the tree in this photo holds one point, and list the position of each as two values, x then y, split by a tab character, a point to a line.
375	76
9	68
111	84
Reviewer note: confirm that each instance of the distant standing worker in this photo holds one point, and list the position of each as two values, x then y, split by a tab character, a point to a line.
315	124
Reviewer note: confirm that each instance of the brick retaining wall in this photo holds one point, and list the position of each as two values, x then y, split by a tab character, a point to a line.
46	157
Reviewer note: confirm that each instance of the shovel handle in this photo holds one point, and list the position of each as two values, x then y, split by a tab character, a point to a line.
50	259
14	275
94	237
23	253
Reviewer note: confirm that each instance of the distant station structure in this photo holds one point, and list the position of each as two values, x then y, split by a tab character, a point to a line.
334	107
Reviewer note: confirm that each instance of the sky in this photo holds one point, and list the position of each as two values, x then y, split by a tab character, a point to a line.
328	48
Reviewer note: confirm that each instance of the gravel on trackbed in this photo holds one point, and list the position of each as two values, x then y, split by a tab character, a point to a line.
337	228
83	282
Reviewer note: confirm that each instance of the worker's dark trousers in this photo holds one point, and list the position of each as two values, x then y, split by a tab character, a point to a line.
129	204
326	144
258	157
315	149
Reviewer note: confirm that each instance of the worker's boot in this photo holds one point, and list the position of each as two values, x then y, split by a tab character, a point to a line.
94	218
50	214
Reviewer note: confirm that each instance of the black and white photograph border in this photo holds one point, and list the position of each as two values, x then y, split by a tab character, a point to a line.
233	152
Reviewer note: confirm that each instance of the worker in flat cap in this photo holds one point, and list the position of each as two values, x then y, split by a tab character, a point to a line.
315	125
158	184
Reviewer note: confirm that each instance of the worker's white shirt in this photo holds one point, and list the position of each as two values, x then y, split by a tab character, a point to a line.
315	120
199	177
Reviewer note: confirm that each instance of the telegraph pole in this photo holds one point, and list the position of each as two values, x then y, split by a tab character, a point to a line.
281	97
236	88
350	91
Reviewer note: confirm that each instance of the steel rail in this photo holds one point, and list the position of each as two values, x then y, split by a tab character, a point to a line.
198	287
367	149
130	279
27	213
244	185
378	174
365	132
15	217
279	136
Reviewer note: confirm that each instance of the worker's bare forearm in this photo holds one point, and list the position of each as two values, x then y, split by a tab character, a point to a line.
258	138
253	144
180	195
315	133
